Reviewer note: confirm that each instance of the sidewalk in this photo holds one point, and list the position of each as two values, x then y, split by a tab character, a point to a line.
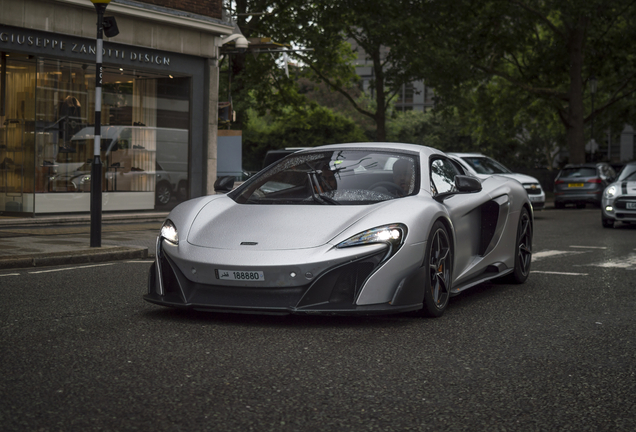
65	239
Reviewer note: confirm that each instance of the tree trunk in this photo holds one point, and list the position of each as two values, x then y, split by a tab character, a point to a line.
575	121
380	109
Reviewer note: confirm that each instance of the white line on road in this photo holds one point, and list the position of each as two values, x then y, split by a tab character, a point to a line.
627	263
11	274
559	273
589	247
549	253
140	262
71	268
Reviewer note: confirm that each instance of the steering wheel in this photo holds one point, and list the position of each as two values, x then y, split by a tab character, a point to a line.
392	188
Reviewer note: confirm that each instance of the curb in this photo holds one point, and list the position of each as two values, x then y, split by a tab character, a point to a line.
105	253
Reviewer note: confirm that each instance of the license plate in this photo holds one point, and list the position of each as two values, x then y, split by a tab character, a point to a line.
534	198
575	185
253	276
631	205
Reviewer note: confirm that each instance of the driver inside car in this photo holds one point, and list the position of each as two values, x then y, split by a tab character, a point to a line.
403	176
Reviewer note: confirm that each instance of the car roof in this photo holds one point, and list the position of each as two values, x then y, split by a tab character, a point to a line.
585	165
423	150
466	154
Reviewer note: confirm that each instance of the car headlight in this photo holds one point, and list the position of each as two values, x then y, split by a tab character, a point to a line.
85	179
393	235
169	232
610	192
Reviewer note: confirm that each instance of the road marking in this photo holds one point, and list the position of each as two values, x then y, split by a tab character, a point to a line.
628	263
589	247
10	274
71	268
550	253
140	262
559	273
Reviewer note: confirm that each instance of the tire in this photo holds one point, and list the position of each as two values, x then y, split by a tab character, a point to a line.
559	205
607	223
439	264
163	194
523	250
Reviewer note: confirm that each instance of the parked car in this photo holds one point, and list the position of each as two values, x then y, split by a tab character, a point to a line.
483	166
582	184
364	228
619	198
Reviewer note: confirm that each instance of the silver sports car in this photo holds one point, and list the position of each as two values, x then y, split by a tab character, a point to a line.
365	228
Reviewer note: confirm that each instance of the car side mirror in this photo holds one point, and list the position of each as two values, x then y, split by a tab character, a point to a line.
463	184
467	184
224	184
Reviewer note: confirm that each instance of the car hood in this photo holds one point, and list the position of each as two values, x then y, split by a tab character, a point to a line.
627	187
521	178
224	224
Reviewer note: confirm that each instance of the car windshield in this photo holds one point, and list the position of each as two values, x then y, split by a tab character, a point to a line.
484	165
353	177
578	172
628	173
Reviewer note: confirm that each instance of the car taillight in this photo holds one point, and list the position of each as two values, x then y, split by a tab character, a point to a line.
594	180
558	181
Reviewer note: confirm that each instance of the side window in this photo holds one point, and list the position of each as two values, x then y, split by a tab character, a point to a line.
443	173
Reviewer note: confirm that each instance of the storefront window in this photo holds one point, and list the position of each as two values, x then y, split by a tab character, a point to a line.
47	138
144	136
17	123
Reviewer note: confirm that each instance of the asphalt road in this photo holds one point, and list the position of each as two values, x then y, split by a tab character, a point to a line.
80	350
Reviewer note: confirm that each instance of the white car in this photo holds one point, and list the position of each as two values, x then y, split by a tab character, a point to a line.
482	167
619	198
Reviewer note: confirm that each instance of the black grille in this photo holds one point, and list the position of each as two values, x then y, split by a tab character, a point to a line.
532	191
621	203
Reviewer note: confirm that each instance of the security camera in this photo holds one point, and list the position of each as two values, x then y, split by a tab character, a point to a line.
241	43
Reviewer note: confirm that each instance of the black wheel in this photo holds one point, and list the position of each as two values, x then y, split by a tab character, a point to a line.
607	223
163	193
523	250
392	188
439	260
559	205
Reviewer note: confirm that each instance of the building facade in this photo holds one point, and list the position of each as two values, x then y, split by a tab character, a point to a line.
158	108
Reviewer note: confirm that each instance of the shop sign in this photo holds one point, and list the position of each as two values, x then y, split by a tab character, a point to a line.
62	45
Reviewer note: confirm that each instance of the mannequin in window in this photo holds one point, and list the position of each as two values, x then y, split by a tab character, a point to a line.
69	118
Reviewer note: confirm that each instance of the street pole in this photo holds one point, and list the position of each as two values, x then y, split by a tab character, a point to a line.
96	169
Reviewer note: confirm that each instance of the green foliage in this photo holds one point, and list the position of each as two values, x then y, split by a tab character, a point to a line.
535	50
311	126
442	131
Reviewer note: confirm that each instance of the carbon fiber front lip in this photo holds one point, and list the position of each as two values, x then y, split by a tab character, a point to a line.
381	309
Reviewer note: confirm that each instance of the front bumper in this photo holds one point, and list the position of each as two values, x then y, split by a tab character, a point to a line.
619	210
571	197
334	287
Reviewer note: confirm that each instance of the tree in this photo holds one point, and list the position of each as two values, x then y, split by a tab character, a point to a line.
328	27
310	126
548	49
